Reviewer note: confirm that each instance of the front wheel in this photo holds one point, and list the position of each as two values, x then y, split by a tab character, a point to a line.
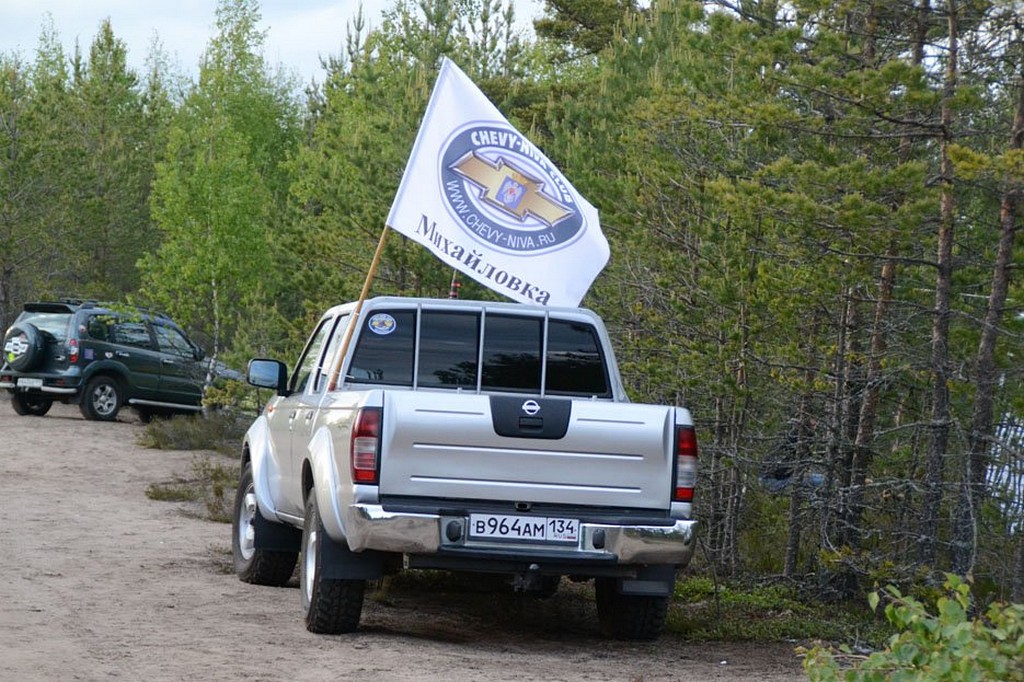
101	399
30	406
331	606
253	565
629	616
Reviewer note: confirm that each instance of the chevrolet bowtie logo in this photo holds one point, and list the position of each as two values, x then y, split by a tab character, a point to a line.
510	190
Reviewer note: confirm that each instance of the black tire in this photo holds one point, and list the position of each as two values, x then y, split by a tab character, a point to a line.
331	606
252	565
101	399
547	587
629	616
24	346
32	406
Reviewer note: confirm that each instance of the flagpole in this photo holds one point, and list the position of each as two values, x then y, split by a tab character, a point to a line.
453	290
336	370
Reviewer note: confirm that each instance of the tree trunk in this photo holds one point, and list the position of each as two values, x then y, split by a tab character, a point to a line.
972	492
862	448
935	465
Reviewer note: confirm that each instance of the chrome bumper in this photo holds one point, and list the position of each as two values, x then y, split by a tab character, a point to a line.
368	526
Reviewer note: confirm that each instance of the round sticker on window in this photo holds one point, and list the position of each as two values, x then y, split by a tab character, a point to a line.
382	324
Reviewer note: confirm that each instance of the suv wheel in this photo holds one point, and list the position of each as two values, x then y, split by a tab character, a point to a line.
101	399
23	346
34	406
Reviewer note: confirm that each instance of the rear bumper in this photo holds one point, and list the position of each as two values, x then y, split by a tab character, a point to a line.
55	384
54	390
369	526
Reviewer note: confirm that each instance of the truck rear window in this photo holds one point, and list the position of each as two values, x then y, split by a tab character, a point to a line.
384	353
512	358
512	352
574	362
449	344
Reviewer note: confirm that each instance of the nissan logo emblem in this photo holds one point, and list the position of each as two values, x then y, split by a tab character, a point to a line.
531	407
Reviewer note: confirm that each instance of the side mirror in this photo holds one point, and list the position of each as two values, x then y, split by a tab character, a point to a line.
268	374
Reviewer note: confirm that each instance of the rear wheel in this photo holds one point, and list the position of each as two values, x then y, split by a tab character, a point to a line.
629	616
101	399
253	565
34	406
332	606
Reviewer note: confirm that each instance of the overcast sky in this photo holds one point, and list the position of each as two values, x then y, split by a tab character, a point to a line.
300	31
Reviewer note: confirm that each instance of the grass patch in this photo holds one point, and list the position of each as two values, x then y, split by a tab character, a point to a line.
220	431
210	484
736	612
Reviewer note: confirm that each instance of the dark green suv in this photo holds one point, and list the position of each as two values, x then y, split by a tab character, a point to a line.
102	358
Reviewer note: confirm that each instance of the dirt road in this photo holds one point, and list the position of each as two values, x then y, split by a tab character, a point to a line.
101	583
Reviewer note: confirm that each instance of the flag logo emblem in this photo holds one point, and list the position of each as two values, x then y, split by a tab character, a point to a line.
504	196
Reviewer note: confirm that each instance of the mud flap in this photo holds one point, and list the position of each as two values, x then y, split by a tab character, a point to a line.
276	537
650	581
341	563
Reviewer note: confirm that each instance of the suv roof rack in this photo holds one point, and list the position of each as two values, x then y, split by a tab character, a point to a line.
94	303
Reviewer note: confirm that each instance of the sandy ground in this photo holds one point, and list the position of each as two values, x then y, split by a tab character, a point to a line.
101	583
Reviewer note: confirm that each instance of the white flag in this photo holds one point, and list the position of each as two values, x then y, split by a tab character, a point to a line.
486	201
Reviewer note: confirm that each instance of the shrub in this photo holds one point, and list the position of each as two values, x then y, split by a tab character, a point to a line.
939	646
219	431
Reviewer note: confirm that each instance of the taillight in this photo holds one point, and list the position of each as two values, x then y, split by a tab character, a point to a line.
686	464
365	445
72	351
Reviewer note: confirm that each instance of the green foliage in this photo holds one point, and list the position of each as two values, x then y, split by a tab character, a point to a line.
941	643
220	192
731	611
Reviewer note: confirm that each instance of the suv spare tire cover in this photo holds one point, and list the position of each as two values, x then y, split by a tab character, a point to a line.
23	346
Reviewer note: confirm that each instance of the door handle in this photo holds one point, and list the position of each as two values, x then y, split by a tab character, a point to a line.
167	361
122	354
309	416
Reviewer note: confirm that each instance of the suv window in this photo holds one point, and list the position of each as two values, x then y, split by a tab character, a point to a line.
54	324
98	327
171	341
130	333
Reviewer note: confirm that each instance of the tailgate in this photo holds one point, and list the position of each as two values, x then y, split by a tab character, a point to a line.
444	445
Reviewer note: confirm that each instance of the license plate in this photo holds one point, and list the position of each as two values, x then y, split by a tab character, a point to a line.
528	528
26	382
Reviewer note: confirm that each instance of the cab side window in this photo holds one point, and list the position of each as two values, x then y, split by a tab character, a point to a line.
325	367
310	356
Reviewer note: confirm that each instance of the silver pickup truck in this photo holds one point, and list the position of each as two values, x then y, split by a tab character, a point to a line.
464	436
